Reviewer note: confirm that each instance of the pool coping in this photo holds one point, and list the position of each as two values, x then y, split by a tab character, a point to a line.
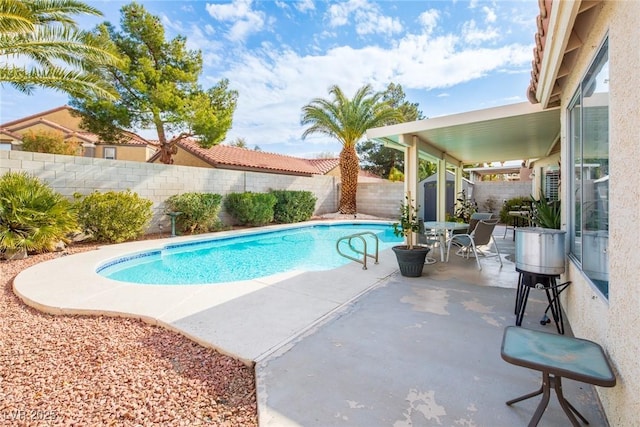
248	319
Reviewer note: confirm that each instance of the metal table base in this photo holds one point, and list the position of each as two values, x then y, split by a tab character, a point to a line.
549	381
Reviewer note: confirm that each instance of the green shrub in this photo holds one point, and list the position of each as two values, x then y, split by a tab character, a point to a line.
465	207
33	217
512	205
250	208
293	206
49	142
199	211
114	216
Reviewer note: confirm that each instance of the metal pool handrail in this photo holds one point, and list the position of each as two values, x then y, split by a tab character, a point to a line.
364	253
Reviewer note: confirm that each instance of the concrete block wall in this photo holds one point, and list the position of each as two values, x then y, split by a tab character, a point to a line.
157	182
380	199
500	191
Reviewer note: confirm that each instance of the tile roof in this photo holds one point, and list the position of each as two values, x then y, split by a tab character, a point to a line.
5	131
569	35
228	157
325	165
542	22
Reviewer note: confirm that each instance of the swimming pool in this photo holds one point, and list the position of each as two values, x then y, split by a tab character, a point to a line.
245	257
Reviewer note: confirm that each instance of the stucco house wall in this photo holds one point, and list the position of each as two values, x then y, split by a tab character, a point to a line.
60	120
184	158
614	322
136	153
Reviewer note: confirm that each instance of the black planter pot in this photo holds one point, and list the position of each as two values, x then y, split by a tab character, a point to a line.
411	261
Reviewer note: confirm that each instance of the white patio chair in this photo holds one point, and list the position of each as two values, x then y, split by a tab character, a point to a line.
482	235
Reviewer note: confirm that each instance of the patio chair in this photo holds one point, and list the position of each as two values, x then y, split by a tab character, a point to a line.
482	235
473	221
477	217
431	239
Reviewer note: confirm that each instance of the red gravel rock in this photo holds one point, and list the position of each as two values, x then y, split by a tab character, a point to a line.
83	370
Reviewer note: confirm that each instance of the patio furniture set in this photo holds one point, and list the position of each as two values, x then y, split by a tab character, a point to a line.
556	356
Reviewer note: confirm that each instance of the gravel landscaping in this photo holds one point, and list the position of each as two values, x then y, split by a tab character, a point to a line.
85	370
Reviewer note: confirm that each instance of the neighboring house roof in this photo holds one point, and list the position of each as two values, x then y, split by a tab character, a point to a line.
568	30
36	116
228	157
325	165
12	127
366	176
4	131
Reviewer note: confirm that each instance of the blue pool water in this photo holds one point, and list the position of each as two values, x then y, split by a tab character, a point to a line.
307	248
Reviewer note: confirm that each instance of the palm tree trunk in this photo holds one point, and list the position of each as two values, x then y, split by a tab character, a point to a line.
349	168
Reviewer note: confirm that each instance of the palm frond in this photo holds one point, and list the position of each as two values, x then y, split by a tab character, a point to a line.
74	82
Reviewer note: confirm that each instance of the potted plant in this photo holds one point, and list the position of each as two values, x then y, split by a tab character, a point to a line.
540	249
545	214
410	258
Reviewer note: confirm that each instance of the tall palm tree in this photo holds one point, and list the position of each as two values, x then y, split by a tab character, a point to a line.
41	46
347	120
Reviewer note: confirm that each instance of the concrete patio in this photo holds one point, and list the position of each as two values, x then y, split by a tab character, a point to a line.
417	352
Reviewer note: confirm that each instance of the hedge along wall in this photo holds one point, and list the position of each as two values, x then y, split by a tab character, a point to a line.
156	182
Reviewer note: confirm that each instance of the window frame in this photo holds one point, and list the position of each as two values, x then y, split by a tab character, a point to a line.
104	153
582	134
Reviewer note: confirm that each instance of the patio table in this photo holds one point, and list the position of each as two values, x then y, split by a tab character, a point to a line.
556	356
520	218
441	229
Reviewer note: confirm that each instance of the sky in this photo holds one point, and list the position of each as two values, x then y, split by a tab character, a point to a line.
449	57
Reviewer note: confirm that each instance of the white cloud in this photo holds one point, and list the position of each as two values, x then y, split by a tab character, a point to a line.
491	16
474	35
244	19
304	5
274	84
367	18
429	20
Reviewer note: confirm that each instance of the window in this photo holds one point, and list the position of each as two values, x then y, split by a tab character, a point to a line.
110	153
588	125
551	183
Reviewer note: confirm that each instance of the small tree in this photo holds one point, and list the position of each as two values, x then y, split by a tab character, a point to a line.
347	120
157	86
48	142
408	222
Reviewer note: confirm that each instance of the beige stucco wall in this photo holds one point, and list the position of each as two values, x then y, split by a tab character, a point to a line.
64	118
614	323
184	158
137	153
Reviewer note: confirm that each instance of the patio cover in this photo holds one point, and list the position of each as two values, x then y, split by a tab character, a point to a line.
511	132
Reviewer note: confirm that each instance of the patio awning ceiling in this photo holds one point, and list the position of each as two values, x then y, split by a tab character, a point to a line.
510	132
